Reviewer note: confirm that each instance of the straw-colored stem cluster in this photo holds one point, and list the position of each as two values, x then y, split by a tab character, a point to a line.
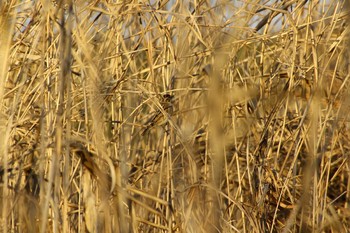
174	116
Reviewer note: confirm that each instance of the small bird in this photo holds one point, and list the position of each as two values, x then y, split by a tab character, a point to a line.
158	118
105	181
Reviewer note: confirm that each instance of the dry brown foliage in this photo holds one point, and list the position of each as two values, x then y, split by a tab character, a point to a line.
174	116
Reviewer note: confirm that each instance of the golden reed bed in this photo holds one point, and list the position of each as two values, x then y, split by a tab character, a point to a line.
174	116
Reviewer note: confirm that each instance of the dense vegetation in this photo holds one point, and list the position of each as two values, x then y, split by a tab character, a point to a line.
174	116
